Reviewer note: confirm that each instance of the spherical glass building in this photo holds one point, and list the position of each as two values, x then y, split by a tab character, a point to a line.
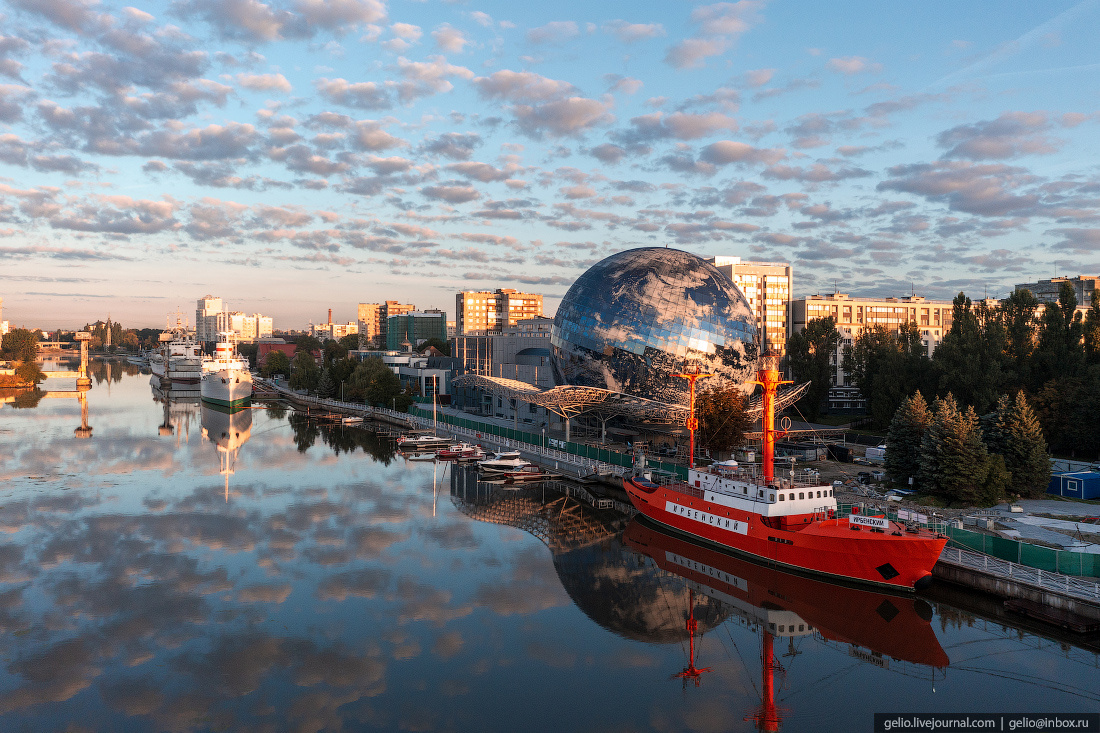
634	319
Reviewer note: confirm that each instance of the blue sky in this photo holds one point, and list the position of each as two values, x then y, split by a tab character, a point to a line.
299	155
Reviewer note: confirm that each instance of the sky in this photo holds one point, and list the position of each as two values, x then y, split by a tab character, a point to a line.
299	155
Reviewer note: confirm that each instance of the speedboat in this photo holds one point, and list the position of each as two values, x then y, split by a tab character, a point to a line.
456	450
503	465
421	442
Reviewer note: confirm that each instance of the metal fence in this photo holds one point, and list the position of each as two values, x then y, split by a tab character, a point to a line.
1037	577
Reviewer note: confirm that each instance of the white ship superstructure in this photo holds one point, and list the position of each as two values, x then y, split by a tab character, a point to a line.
226	379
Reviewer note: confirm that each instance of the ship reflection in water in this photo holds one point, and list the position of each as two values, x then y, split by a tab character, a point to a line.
228	428
634	597
877	628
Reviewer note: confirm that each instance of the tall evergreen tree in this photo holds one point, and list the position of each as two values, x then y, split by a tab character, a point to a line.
326	387
809	354
971	361
1019	438
1018	315
1059	350
954	461
1092	331
903	440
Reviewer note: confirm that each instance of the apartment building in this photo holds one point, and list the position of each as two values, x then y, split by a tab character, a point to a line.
372	321
768	286
485	312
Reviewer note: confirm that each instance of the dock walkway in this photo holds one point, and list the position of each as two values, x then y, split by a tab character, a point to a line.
1012	580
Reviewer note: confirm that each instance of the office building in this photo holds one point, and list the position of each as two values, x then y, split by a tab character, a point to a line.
483	312
852	315
768	286
372	319
406	331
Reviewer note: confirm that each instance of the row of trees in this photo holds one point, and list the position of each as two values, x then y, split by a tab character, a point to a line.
950	452
337	374
1054	358
20	346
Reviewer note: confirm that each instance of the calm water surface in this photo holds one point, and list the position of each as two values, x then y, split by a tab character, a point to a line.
186	569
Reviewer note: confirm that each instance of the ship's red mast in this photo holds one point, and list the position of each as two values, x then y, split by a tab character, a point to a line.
691	672
692	423
767	376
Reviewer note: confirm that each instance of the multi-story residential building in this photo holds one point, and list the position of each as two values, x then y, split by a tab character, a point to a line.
334	331
852	315
373	317
3	324
413	328
248	327
1046	291
484	312
209	318
769	287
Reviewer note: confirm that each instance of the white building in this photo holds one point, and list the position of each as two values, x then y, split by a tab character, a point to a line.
768	286
207	322
335	331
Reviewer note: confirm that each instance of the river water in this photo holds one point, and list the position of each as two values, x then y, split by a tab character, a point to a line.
181	568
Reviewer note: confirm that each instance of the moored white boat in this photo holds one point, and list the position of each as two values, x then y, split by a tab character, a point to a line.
226	380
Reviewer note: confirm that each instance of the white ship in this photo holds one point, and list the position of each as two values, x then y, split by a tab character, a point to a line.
179	358
228	430
226	379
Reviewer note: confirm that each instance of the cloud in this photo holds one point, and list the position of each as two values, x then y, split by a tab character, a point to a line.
453	193
554	32
1011	135
633	32
564	117
982	189
264	82
850	65
453	145
363	95
517	86
10	46
424	78
449	39
816	173
729	151
692	53
254	21
623	84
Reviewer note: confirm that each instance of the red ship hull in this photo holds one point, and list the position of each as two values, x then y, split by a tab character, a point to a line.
896	558
886	624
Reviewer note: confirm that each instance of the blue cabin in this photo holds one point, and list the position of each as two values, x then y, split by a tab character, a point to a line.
1076	485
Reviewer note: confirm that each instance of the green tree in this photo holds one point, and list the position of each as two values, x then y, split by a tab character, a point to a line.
904	439
810	354
1018	316
887	367
20	344
723	421
1015	434
350	342
326	387
334	351
276	362
29	372
374	383
307	343
1092	331
954	461
1059	351
305	374
971	361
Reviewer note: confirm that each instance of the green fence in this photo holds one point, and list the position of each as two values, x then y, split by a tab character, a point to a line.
590	452
1022	553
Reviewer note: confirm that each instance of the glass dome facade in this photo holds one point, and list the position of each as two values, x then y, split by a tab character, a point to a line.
635	318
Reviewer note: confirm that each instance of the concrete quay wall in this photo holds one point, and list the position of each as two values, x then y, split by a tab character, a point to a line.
1005	587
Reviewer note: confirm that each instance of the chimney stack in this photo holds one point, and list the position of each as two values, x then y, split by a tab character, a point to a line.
330	316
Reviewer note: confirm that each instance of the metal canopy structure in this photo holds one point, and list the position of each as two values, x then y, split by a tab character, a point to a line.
570	401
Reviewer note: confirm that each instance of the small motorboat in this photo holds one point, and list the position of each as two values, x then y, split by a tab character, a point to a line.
529	472
477	455
503	465
456	451
351	420
421	442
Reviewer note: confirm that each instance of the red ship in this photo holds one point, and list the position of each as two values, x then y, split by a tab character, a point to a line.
789	522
